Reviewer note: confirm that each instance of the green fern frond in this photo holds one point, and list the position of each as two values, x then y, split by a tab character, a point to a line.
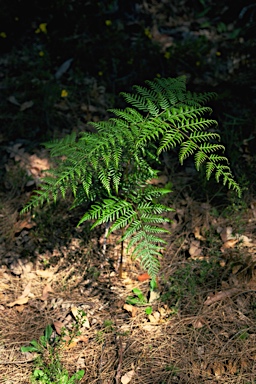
109	169
187	149
146	248
107	211
199	99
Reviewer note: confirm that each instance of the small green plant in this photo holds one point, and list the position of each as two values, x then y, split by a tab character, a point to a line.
138	299
109	171
49	369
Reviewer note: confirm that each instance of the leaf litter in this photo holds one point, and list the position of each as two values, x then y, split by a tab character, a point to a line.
196	354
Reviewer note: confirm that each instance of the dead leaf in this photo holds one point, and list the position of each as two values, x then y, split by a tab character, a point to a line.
143	277
229	244
12	99
21	266
47	274
19	301
20	308
3	286
26	105
154	318
47	289
236	268
195	249
21	224
149	327
159	180
59	326
26	291
226	234
37	164
76	340
222	263
199	323
16	151
197	234
163	312
246	242
75	312
82	338
221	296
153	296
218	369
131	308
232	367
125	379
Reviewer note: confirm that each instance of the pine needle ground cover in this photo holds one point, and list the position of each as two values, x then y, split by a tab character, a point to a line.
204	306
201	329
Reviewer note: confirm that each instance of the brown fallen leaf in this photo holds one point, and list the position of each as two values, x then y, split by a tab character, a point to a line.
47	289
229	244
59	326
125	379
19	301
195	249
26	291
199	323
153	296
221	296
47	274
236	268
226	234
37	164
218	369
131	308
143	277
158	180
20	308
198	235
245	241
154	318
21	224
72	343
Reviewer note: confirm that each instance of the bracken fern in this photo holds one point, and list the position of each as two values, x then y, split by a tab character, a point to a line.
110	168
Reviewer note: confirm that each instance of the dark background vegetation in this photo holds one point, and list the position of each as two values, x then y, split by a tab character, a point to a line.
112	45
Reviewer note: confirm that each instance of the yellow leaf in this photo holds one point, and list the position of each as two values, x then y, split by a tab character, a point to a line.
43	27
64	93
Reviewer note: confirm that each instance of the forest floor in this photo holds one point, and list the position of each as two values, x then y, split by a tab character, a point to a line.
201	323
199	326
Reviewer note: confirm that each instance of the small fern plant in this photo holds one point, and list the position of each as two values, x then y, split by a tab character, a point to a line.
108	170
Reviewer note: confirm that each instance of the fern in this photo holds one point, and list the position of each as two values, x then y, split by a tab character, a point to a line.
109	169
